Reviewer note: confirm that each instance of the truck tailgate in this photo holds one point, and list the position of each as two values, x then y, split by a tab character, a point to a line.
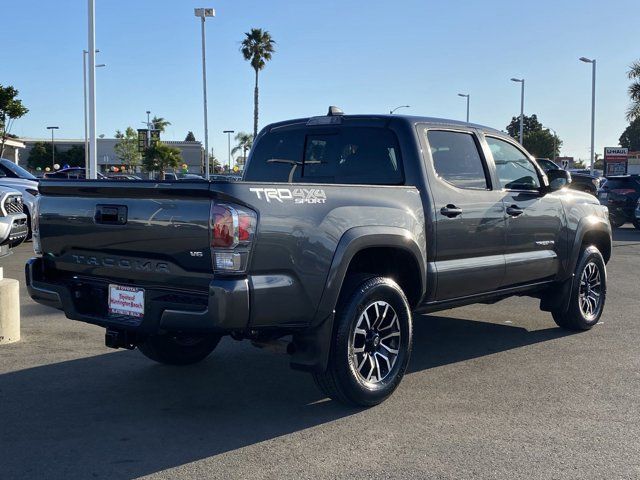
142	232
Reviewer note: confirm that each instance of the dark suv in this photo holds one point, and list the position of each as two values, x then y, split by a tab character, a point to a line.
579	181
620	194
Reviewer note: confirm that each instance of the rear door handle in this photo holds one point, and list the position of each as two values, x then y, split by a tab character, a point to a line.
451	211
514	211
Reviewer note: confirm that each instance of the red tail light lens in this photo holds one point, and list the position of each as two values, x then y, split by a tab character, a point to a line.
222	228
232	232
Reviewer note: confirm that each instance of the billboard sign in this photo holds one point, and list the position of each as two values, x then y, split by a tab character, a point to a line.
155	137
143	139
615	161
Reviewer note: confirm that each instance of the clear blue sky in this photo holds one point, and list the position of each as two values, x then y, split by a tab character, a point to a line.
365	56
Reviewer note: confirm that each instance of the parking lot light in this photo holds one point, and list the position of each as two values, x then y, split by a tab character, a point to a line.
593	108
521	81
53	146
466	95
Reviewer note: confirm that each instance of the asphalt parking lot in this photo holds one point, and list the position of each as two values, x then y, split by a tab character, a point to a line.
494	391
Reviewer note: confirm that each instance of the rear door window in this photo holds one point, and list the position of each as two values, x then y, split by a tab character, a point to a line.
456	159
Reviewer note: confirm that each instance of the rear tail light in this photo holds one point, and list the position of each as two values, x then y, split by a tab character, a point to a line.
232	232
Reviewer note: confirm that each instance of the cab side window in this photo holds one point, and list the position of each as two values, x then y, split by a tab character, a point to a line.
515	170
456	159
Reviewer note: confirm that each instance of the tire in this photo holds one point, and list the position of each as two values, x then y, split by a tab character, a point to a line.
172	349
616	221
636	223
363	369
588	293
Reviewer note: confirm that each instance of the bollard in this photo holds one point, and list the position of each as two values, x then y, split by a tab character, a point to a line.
9	310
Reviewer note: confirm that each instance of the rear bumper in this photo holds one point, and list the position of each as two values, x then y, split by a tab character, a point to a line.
224	309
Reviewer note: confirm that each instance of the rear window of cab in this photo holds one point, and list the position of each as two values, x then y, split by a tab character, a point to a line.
340	155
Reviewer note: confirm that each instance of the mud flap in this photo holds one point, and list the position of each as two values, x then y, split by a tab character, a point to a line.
312	347
557	298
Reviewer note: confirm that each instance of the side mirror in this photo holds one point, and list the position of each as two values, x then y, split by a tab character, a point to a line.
558	179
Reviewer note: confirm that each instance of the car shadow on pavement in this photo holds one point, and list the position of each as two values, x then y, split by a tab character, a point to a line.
118	415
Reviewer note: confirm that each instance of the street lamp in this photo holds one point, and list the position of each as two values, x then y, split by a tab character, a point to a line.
203	13
86	137
466	95
93	143
555	142
401	106
521	80
53	147
229	132
593	108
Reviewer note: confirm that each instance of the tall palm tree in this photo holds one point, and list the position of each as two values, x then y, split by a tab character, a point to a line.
257	48
633	112
160	123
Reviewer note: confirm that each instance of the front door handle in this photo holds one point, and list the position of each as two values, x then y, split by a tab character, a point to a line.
451	211
514	211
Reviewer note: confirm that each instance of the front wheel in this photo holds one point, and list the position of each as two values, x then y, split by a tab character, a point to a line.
588	293
371	343
178	349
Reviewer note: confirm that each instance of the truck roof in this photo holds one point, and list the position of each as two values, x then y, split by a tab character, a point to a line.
413	119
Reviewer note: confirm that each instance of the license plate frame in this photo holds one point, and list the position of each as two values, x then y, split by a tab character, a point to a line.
126	301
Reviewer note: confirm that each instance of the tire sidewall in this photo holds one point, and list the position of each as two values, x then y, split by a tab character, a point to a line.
375	289
590	255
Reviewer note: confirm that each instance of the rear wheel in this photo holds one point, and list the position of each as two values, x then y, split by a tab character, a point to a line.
178	349
371	343
636	223
588	293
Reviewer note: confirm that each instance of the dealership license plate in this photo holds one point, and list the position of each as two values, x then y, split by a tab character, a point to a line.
127	301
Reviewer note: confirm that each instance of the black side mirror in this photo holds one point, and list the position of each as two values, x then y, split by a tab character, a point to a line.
558	179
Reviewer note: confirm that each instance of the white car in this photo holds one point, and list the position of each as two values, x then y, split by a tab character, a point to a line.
15	177
13	220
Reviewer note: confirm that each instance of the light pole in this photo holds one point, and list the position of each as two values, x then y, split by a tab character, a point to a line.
93	143
53	147
401	106
229	132
521	81
203	13
466	95
555	142
86	138
593	108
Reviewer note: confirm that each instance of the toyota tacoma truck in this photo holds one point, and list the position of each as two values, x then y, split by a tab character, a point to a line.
342	230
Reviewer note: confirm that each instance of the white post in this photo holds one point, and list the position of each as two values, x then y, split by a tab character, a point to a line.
93	146
204	93
593	115
86	138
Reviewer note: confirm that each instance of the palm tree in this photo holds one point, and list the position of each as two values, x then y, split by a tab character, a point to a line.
160	123
245	142
257	48
633	112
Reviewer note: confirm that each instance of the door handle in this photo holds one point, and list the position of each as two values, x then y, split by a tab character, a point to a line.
514	211
451	211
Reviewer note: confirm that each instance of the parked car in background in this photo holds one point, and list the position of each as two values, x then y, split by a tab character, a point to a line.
15	177
620	194
172	176
579	181
123	176
13	221
224	178
72	173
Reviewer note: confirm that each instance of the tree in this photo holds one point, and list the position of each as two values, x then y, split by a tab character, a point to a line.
530	124
217	168
40	156
257	48
74	157
633	112
127	148
630	138
10	109
160	123
539	141
160	157
245	142
190	137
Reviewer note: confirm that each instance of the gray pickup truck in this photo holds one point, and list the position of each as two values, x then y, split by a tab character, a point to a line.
343	228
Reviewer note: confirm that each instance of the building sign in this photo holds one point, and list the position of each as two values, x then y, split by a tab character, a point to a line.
143	139
615	161
155	137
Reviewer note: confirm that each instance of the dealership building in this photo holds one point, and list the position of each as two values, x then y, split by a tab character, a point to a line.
191	152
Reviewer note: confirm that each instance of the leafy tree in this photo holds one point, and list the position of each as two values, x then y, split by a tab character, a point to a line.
633	112
74	157
539	141
160	123
160	157
40	155
190	137
217	168
530	124
630	138
10	109
257	48
127	148
245	142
